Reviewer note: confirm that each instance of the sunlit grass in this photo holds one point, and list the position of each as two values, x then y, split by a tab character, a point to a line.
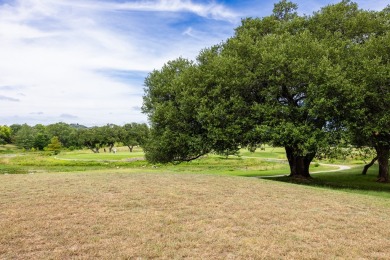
268	162
237	166
41	161
114	206
87	160
100	156
122	153
265	152
141	214
8	149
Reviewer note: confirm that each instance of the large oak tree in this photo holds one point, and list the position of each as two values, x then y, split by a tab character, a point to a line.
283	79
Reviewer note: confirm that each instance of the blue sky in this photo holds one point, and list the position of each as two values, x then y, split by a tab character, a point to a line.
84	61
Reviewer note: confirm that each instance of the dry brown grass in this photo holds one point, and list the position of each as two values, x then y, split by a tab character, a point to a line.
147	215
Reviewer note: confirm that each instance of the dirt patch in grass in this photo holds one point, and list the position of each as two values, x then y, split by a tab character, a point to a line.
157	215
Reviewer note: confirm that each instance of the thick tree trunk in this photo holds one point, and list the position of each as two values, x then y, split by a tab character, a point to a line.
130	148
110	147
299	164
383	154
365	169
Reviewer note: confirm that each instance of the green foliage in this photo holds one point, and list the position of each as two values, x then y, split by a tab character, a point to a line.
5	134
176	134
40	141
66	134
110	134
296	82
92	138
256	87
134	134
15	128
54	145
25	137
285	10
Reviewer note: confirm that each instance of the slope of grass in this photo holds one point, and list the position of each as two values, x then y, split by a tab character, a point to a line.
265	152
130	214
86	160
38	161
237	166
249	164
8	149
122	154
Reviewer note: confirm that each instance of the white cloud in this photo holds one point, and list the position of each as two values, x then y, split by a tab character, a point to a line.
212	10
56	53
5	98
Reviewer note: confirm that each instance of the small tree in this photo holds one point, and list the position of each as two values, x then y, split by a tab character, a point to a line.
110	134
92	138
5	134
134	134
54	145
25	137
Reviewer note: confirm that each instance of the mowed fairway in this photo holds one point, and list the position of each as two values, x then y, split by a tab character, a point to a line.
134	214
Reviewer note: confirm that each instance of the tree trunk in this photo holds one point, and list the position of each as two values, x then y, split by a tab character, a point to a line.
130	148
365	169
383	154
299	164
110	147
94	149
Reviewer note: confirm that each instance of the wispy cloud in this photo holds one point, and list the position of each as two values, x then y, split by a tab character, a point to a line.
89	57
136	108
210	10
68	116
9	88
9	98
37	113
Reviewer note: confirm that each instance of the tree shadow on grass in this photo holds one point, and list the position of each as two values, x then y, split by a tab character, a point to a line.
349	180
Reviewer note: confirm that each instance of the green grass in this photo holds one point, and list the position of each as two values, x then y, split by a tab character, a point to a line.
100	156
262	163
86	160
268	152
8	149
40	161
235	166
122	154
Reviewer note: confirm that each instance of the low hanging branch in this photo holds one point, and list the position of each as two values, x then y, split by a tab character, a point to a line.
188	159
365	169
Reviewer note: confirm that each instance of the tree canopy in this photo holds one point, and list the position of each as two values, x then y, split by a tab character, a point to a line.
60	135
288	80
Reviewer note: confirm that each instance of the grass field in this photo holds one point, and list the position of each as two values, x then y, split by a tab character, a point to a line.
254	165
80	205
125	214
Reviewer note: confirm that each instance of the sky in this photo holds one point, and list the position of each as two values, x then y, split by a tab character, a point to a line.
85	61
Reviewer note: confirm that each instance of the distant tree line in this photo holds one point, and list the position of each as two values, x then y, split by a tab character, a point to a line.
73	136
306	83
